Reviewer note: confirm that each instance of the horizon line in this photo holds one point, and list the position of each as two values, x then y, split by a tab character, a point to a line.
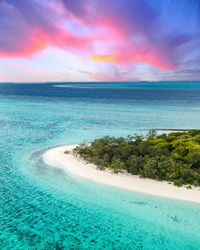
74	82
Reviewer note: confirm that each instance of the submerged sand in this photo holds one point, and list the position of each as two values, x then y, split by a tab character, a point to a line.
56	157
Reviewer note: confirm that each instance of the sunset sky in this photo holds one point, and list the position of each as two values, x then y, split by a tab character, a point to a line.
99	40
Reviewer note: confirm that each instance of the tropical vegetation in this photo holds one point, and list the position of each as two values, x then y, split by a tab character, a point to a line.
174	157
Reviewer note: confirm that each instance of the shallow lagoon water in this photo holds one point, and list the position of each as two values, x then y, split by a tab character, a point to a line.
46	208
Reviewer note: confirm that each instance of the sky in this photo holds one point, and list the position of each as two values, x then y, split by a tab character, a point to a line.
99	40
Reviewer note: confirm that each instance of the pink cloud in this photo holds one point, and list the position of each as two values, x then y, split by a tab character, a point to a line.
122	32
28	34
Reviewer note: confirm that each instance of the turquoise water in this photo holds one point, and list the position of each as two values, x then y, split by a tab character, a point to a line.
46	208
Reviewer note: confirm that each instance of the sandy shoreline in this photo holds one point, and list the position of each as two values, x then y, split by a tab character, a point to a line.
56	157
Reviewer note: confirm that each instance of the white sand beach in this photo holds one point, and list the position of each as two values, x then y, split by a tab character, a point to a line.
56	157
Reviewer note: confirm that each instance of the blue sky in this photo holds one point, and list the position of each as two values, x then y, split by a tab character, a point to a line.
99	40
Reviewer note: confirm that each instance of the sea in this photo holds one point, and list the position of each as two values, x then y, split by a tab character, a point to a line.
43	207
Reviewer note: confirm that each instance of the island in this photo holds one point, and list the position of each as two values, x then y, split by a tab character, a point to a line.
166	165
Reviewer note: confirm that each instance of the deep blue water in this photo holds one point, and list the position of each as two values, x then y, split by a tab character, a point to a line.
46	208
